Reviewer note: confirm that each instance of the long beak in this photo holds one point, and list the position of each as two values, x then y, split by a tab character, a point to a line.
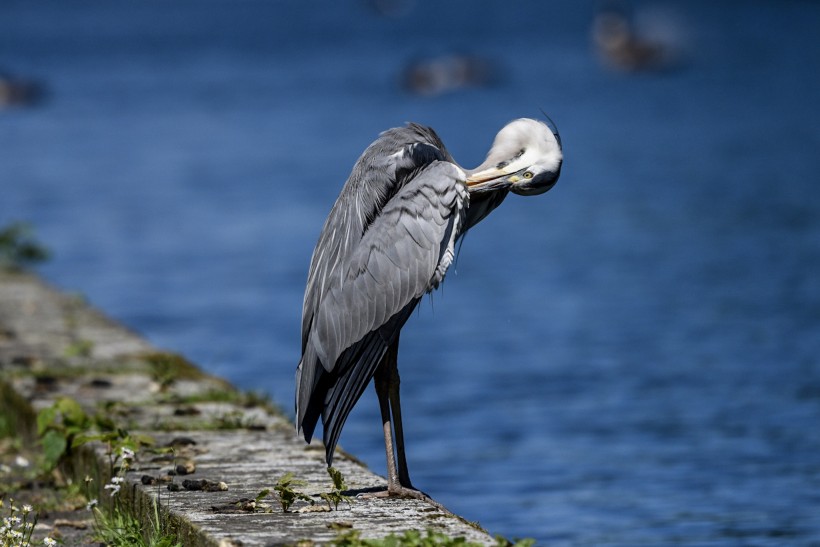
489	179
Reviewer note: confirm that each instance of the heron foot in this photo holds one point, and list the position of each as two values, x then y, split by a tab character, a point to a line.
398	491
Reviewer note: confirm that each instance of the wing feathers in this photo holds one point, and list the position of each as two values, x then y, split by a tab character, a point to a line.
373	289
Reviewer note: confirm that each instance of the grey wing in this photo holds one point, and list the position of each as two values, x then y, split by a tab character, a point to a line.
404	253
382	169
398	259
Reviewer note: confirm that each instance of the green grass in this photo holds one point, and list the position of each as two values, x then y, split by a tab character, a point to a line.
120	529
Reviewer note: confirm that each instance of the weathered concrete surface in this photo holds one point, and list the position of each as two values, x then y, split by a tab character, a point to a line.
54	345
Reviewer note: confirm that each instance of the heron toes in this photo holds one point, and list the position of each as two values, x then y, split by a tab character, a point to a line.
408	492
398	491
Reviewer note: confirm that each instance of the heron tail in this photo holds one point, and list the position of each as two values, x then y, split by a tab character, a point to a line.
309	375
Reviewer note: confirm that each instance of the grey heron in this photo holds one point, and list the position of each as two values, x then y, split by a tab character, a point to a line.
388	240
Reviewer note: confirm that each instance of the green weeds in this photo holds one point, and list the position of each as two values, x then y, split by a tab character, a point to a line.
19	248
65	425
79	348
167	368
335	496
57	427
286	489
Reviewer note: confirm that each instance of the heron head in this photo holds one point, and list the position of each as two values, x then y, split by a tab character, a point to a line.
526	158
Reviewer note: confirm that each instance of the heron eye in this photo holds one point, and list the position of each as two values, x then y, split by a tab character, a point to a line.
527	175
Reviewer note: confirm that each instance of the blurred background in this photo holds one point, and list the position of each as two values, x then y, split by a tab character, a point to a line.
632	358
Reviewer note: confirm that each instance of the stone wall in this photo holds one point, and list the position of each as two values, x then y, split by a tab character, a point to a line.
205	451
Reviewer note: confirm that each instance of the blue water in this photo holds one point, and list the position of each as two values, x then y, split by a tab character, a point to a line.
629	359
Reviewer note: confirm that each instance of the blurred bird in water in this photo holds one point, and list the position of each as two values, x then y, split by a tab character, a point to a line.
15	91
437	75
649	40
387	241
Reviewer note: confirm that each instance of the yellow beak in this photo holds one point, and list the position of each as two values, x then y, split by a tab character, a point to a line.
490	179
484	176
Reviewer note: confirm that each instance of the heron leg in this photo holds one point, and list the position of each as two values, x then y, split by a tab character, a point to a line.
386	381
382	383
387	387
395	407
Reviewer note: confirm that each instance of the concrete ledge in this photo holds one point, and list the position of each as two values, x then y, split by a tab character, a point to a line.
53	345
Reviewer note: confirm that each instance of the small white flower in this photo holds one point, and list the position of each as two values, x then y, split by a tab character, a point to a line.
113	487
27	509
117	480
49	542
20	461
126	453
91	504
